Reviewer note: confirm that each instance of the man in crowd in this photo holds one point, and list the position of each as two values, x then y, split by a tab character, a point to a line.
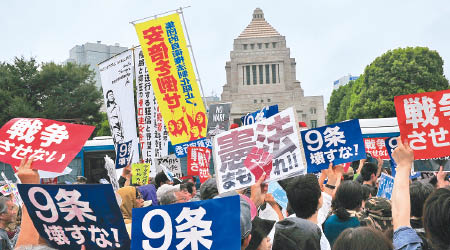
7	215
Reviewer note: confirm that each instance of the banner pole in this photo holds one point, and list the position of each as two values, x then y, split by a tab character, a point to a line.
156	15
180	10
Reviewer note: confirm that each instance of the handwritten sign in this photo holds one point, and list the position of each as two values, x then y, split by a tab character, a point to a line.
140	173
218	118
172	163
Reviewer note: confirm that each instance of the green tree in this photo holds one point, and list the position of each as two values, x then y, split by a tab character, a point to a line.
397	72
49	90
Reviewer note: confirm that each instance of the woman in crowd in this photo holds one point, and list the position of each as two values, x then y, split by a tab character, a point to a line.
131	198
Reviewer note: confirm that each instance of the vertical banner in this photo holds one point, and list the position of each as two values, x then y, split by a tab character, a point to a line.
198	162
153	135
172	163
210	224
117	83
111	170
140	173
424	120
385	186
175	85
218	118
69	216
243	154
259	115
337	143
376	147
52	144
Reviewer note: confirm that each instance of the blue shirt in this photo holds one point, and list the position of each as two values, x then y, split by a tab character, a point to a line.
334	226
406	238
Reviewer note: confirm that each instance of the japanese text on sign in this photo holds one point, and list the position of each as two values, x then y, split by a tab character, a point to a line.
52	144
337	143
424	119
167	59
198	162
243	154
376	147
385	186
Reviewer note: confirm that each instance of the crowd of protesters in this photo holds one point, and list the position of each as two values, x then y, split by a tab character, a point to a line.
335	209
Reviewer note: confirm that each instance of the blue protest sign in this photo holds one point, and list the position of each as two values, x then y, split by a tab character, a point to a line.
385	186
69	216
123	154
278	194
256	116
338	143
391	144
180	150
209	224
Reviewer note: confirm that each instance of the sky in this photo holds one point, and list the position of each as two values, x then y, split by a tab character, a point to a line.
328	38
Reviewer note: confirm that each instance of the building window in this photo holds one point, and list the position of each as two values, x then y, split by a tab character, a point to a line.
313	110
267	45
245	46
247	74
274	73
313	123
254	73
267	73
255	101
274	45
259	45
252	46
268	99
262	100
261	74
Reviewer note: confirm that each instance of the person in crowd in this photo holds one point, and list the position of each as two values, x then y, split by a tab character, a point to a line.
259	234
168	194
360	238
346	205
208	189
419	192
308	201
7	216
191	189
436	216
369	173
131	198
148	193
125	177
295	233
245	223
377	214
161	179
348	176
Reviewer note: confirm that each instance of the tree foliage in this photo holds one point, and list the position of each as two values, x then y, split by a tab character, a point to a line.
49	90
397	72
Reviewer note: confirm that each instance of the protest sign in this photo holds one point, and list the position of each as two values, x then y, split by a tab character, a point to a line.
210	224
12	187
278	194
117	83
140	173
218	118
175	85
180	150
111	170
6	190
338	143
427	165
172	163
259	115
52	144
153	135
49	180
385	186
424	120
272	146
198	162
376	147
124	153
68	216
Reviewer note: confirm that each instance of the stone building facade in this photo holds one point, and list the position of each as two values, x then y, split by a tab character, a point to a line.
261	72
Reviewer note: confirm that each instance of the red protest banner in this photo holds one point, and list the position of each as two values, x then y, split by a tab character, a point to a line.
52	144
198	162
376	147
424	120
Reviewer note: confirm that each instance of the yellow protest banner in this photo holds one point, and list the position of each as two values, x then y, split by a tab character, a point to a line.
173	79
140	173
